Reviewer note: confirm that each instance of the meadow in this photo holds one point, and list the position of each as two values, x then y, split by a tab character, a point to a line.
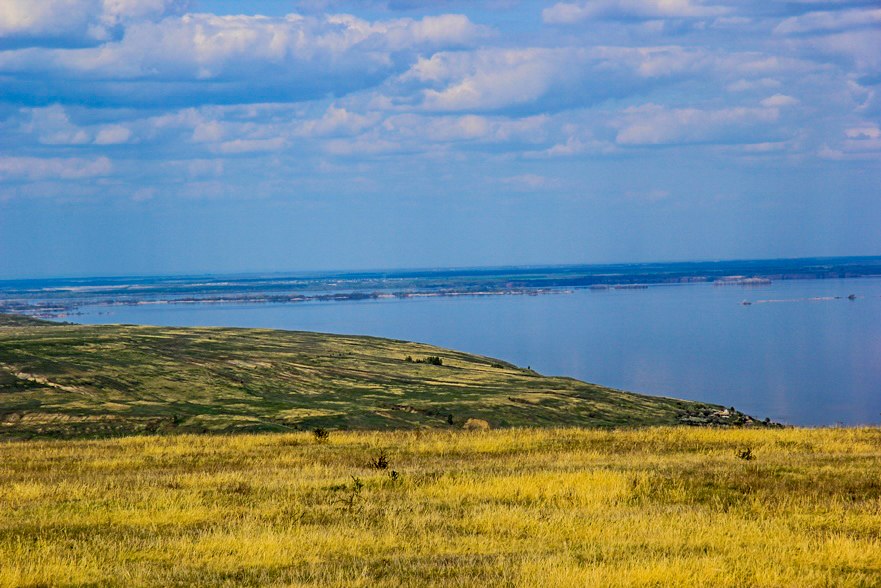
668	506
82	381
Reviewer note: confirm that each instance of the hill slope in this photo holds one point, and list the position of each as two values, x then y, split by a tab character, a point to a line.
71	380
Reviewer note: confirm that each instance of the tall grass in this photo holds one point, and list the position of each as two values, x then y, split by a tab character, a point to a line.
566	507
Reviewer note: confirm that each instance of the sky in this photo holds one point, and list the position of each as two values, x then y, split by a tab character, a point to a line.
171	136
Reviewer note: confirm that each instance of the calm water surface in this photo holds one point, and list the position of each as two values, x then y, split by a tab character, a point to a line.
797	360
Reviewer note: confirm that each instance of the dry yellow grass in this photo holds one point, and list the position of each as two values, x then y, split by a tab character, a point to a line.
568	507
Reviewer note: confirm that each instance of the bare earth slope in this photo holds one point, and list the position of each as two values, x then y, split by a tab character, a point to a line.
67	380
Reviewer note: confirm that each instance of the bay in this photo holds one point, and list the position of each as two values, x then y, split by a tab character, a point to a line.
801	353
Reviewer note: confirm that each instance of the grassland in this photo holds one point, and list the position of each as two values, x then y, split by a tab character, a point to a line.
73	381
532	507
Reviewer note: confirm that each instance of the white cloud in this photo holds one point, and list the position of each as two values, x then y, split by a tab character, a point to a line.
743	85
652	124
206	46
76	21
52	126
861	142
252	145
583	144
498	78
862	47
866	132
337	121
113	135
268	59
35	168
813	22
143	194
207	131
199	168
779	100
531	182
414	129
572	12
557	78
407	33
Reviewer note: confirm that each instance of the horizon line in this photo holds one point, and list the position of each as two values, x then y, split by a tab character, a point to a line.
429	269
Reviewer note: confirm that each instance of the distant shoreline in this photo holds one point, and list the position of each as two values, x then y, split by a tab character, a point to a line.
57	298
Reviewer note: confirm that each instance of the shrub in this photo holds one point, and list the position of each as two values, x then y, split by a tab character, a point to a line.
352	502
476	425
430	360
321	435
380	462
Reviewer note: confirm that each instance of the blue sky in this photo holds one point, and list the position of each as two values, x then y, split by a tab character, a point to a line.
163	136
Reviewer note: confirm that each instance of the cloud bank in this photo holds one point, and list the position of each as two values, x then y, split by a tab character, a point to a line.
148	92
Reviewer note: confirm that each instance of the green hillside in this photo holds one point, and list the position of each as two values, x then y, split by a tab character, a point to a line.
67	380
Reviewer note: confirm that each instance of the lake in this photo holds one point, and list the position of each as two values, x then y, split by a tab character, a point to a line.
797	354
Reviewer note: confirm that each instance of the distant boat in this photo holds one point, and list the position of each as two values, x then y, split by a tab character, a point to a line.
746	302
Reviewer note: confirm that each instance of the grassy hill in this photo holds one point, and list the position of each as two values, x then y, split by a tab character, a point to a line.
67	380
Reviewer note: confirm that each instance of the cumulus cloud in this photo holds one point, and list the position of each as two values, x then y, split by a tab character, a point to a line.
860	47
652	124
52	126
813	22
778	100
743	85
413	129
251	145
226	58
572	12
35	168
500	78
113	135
862	142
551	78
75	22
531	182
337	121
204	95
492	79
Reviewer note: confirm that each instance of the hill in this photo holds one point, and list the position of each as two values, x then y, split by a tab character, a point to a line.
68	380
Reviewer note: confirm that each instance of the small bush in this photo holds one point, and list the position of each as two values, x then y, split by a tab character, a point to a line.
476	425
380	462
352	501
321	435
430	360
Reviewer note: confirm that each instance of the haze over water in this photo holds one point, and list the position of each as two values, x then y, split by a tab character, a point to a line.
795	360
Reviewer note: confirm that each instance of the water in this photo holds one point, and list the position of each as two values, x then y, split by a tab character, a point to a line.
800	361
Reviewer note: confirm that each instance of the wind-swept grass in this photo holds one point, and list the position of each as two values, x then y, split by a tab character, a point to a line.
552	507
70	381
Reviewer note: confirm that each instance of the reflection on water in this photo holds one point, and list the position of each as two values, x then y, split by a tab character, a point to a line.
801	352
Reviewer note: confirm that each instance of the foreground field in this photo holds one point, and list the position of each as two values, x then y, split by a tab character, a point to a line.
555	507
74	381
